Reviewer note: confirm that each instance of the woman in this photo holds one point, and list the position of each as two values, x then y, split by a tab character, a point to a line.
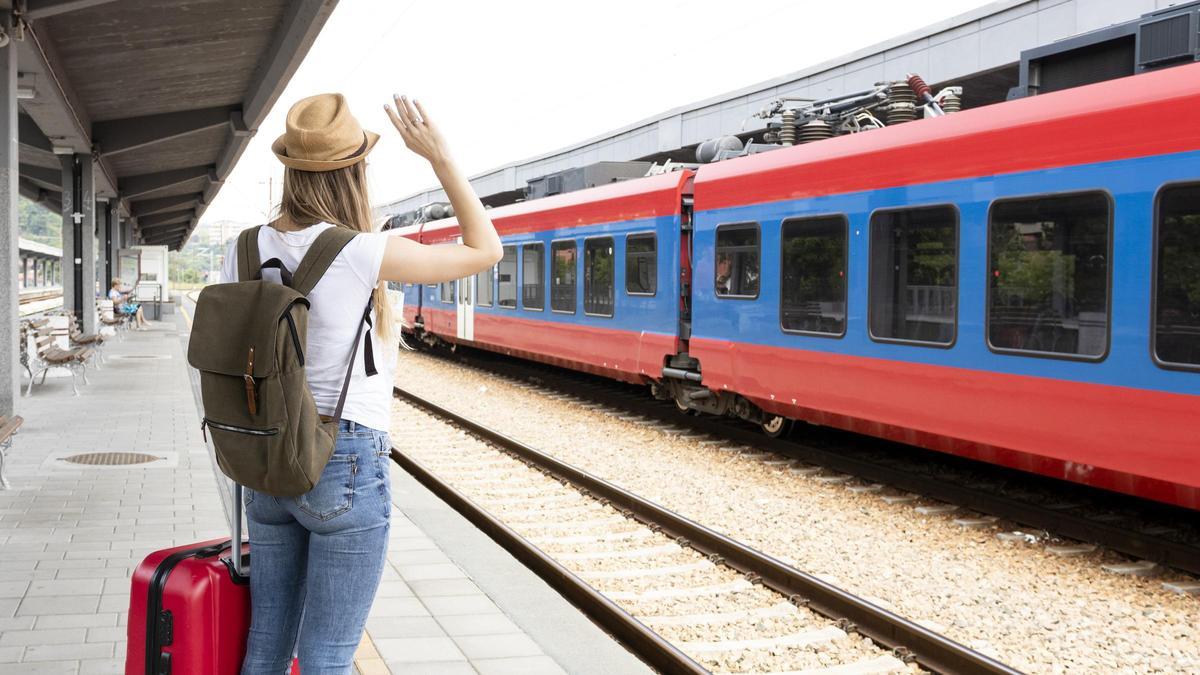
122	303
317	558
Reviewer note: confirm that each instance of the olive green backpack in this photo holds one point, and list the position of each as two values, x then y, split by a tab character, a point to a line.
248	342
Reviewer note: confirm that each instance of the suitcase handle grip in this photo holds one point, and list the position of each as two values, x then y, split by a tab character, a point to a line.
236	545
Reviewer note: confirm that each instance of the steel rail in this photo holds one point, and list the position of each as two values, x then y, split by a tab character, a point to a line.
931	650
642	641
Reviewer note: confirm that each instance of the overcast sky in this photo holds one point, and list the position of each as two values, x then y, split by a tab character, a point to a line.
509	80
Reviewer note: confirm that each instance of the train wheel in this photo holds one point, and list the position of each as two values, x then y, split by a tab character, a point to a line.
776	426
682	405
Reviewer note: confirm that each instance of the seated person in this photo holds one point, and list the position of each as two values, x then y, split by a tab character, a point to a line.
124	304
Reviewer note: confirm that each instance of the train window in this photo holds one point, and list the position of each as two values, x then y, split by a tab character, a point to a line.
446	291
506	277
1177	277
533	276
813	269
562	276
914	275
483	287
737	261
1048	281
598	276
641	264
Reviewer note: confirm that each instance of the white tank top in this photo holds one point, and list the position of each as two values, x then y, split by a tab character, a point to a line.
337	302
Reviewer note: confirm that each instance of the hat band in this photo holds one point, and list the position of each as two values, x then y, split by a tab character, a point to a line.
361	149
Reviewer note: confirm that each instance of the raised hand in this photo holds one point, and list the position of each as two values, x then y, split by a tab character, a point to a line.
418	131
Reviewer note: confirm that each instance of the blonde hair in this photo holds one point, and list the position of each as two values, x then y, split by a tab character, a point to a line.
338	197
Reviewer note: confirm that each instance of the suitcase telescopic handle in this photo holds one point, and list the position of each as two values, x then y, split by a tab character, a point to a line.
235	547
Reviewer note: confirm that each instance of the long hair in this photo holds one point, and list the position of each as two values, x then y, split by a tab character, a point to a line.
338	197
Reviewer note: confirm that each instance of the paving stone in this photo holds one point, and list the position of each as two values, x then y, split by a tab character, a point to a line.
417	650
106	634
65	587
77	620
17	623
11	654
523	665
394	589
13	589
477	624
433	587
432	668
497	646
71	604
398	607
42	668
422	557
404	627
98	650
412	573
460	604
115	666
56	636
93	573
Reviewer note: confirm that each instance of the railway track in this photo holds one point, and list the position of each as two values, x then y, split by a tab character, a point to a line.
1143	530
685	598
36	301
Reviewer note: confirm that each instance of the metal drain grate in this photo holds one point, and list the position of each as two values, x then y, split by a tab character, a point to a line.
111	458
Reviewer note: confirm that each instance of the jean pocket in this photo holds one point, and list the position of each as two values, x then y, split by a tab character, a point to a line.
383	446
333	495
247	497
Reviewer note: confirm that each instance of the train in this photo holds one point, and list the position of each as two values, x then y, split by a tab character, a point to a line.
1017	283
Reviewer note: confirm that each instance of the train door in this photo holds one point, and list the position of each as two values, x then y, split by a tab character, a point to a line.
464	303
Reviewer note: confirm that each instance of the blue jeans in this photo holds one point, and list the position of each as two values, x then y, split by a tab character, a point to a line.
316	560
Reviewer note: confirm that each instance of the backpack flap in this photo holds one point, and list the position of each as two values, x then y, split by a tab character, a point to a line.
229	322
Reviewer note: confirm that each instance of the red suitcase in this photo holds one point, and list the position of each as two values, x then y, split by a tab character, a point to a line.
189	610
189	613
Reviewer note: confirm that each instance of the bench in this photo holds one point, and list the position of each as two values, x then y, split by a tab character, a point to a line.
81	339
112	318
43	354
8	429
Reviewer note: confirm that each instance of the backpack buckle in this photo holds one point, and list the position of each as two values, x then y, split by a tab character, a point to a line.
251	388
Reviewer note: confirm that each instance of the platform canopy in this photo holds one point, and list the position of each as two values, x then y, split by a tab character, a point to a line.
165	94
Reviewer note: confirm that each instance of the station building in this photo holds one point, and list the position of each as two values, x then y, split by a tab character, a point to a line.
989	52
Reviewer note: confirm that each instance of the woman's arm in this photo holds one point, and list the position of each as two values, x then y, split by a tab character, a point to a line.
408	261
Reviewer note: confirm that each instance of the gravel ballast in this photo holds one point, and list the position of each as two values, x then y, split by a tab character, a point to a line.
711	612
1008	598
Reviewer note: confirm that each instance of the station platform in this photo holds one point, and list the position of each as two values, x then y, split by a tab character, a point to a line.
451	601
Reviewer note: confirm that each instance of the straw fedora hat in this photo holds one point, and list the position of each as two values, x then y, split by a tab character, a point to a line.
322	135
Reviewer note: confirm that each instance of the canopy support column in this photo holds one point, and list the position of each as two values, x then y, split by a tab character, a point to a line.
10	378
79	239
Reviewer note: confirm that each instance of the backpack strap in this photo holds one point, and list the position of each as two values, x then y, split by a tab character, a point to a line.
321	254
328	244
367	357
249	263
